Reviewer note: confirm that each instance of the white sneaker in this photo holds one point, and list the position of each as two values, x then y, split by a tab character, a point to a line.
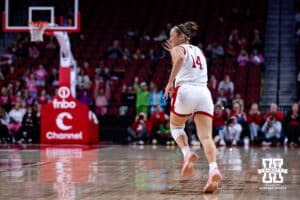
222	143
233	143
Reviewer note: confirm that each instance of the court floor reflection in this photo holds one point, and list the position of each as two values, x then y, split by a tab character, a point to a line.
137	172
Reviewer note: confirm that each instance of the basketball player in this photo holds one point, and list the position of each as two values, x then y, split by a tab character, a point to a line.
191	97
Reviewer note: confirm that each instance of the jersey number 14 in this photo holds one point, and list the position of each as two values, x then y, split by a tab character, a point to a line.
197	63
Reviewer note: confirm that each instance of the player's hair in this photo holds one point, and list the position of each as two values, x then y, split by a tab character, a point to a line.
186	29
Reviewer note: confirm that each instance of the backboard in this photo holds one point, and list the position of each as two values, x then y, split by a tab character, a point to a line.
64	14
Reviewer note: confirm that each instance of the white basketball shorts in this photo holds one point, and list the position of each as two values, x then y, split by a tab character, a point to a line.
190	100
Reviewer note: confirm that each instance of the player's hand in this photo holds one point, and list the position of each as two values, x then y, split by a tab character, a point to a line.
168	45
168	89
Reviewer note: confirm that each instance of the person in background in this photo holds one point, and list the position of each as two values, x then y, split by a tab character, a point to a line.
231	132
85	98
239	114
28	130
140	129
272	131
157	118
254	120
274	111
15	119
156	98
142	96
219	120
213	86
163	134
41	75
227	85
4	120
292	125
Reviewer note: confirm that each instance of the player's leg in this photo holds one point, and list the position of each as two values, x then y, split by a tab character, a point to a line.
177	124
204	131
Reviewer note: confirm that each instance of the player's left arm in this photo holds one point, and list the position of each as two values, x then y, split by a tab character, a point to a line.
177	55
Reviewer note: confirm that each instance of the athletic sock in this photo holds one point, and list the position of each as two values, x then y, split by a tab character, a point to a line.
185	150
212	166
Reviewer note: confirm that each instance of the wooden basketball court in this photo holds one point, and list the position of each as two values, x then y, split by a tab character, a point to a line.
138	172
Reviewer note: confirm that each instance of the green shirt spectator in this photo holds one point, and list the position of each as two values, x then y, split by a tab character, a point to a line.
142	97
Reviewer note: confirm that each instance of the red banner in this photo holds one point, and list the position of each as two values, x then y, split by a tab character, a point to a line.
66	121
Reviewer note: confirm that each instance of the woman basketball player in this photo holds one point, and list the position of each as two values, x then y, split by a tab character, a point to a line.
191	97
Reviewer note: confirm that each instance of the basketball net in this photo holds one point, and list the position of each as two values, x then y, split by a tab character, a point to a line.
37	30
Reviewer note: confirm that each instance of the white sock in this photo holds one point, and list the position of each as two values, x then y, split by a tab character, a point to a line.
185	150
212	166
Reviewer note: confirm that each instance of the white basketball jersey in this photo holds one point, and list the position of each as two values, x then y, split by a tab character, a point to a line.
194	69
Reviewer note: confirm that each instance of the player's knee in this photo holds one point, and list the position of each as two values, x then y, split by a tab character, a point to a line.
177	131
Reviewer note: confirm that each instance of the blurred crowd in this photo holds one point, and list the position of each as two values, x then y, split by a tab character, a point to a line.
25	89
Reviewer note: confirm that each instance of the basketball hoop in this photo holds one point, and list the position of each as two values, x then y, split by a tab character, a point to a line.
37	30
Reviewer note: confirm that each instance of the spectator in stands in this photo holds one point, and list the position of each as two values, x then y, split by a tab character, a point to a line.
127	55
145	36
41	75
7	58
43	97
254	120
257	42
230	51
34	52
12	75
238	99
239	114
4	120
272	130
27	98
115	51
16	115
274	111
213	86
243	58
222	97
220	117
227	85
5	99
161	37
83	80
214	50
128	97
31	85
157	118
140	129
163	134
90	71
234	37
231	132
101	100
292	124
156	98
243	43
256	58
28	130
138	54
53	77
142	96
85	98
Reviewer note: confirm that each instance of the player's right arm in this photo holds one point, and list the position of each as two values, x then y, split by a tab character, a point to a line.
177	54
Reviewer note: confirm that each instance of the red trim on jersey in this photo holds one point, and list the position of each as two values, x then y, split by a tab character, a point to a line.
183	49
202	113
174	96
180	115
